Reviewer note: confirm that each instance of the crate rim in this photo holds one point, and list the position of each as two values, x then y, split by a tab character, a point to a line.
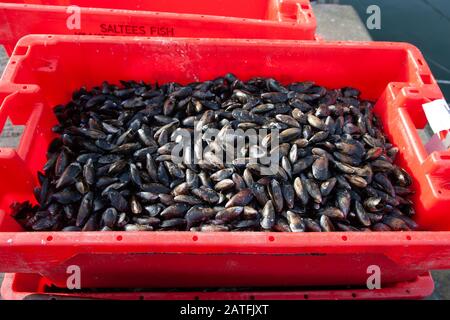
48	39
171	241
182	16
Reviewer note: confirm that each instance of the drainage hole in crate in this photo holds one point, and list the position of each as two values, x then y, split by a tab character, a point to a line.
195	238
13	62
271	238
426	78
24	87
439	191
408	238
407	291
49	238
420	62
344	238
49	37
20	51
354	295
309	15
196	298
414	91
119	238
305	296
141	297
252	297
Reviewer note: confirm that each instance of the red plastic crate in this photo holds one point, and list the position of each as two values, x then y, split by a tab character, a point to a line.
44	70
257	19
30	287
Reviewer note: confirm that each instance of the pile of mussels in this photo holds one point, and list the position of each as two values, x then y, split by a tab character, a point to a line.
112	168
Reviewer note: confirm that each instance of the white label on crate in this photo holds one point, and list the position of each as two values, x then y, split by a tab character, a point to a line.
438	115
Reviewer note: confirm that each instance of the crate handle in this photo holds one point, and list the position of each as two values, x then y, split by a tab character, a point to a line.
28	117
435	165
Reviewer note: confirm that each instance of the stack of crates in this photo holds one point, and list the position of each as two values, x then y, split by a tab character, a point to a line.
56	46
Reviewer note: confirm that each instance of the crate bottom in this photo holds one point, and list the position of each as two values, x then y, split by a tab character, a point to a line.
18	286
